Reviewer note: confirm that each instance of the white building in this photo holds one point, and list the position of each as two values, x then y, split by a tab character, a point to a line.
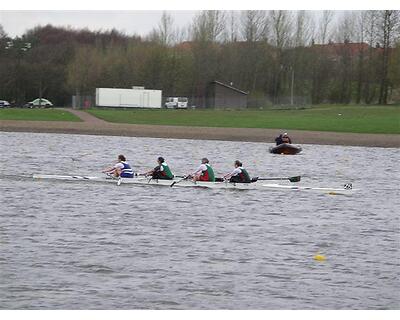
137	97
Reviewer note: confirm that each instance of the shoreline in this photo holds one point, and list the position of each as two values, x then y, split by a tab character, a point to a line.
100	127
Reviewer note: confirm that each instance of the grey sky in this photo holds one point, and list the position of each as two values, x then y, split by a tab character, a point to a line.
141	22
15	23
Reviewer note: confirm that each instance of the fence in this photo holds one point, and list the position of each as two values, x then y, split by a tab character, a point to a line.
83	102
260	102
286	102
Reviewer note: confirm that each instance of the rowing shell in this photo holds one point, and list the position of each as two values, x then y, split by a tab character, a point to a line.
348	189
189	183
148	181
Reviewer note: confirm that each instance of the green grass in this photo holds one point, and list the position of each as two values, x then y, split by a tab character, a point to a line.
360	119
37	115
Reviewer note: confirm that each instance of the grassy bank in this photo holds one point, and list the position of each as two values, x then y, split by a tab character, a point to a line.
359	119
37	115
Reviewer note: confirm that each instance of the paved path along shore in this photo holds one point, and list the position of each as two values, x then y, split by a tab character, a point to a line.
94	126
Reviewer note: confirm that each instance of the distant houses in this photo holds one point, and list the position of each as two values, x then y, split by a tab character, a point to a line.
334	51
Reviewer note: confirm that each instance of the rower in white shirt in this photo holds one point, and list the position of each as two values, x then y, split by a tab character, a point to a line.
204	172
121	169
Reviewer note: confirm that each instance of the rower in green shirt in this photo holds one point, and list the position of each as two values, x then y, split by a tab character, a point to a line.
162	171
239	174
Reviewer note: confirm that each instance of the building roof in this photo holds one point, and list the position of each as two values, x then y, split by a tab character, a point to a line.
185	45
337	48
229	87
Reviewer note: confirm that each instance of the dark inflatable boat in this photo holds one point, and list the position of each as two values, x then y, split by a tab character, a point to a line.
285	148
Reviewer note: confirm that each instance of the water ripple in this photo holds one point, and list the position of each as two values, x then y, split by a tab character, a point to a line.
83	246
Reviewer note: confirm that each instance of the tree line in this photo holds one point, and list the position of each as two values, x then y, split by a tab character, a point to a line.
279	57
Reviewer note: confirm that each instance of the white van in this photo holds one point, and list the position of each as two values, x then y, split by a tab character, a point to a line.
176	103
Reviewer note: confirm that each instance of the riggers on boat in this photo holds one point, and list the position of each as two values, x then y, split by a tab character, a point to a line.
256	183
285	148
155	182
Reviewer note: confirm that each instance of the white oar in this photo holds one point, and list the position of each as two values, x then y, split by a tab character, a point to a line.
184	178
119	179
134	175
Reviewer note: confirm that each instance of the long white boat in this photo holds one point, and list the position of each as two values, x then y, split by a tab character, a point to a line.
259	185
153	182
348	188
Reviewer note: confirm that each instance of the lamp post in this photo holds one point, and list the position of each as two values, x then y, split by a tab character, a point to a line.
292	86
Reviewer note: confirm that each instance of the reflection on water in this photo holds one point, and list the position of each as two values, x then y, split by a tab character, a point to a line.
91	246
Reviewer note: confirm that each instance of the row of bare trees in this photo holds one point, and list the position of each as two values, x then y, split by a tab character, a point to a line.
288	57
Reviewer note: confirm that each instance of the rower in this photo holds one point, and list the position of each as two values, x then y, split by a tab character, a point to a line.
162	171
204	172
239	174
120	169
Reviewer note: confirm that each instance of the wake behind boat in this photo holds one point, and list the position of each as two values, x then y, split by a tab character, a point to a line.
144	181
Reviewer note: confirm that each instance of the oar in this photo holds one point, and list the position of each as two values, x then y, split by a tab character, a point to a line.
175	182
291	179
119	179
139	174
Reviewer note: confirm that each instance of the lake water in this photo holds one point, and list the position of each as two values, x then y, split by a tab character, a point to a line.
79	245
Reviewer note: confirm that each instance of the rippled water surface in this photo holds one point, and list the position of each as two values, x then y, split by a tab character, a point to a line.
80	245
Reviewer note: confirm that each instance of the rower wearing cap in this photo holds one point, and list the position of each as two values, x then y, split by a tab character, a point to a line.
162	171
239	174
204	172
121	169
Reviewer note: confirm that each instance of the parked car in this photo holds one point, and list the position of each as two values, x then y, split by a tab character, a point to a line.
4	104
39	103
176	103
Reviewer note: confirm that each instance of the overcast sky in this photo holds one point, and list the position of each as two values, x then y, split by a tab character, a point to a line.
15	23
141	22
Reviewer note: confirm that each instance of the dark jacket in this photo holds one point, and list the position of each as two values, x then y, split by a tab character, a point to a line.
278	140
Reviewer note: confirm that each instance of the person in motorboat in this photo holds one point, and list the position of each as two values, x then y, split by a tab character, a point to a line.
239	174
162	171
278	140
283	138
121	169
286	138
204	172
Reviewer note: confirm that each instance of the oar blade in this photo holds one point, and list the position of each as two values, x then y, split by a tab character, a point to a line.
294	179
